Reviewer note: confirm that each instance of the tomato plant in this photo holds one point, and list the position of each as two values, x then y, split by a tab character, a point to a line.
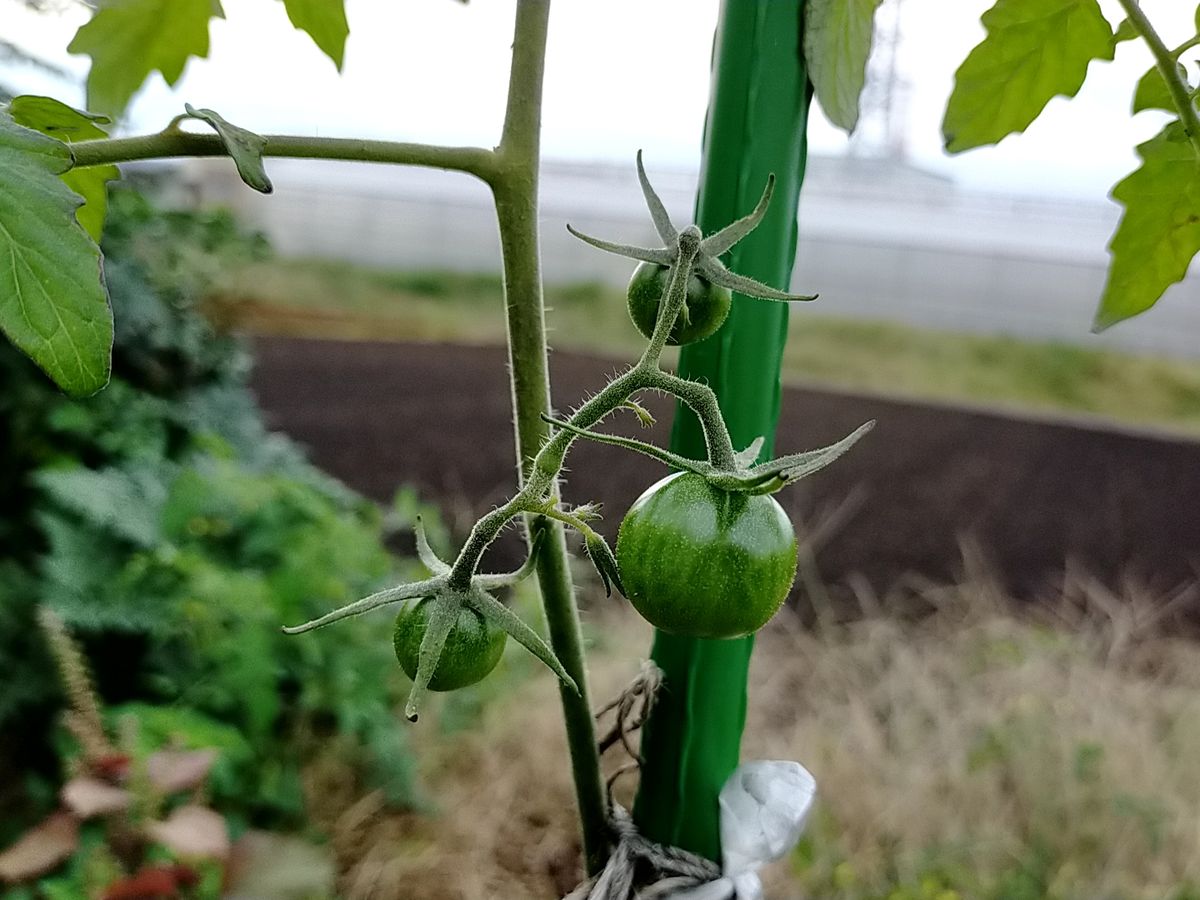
473	645
685	538
704	310
699	561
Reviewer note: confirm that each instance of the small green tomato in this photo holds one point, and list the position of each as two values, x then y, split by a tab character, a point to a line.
705	309
473	647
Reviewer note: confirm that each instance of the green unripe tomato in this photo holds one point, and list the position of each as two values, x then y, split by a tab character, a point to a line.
706	563
706	307
473	647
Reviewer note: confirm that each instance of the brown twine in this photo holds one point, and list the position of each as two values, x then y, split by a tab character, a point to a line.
635	860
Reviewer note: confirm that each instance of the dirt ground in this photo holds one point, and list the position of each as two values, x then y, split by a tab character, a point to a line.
1038	496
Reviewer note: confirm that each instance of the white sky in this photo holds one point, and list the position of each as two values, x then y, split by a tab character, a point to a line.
435	70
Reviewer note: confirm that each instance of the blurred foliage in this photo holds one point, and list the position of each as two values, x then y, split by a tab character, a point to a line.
174	535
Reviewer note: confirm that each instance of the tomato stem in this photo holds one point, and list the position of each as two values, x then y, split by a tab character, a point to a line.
1168	68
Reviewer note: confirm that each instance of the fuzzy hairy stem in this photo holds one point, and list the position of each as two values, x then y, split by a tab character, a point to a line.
1165	60
172	142
515	187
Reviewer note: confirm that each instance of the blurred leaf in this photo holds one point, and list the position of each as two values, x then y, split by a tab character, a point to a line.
325	22
127	503
53	305
1159	232
90	797
129	39
1034	50
837	44
192	832
1152	91
172	771
57	120
41	849
245	147
264	866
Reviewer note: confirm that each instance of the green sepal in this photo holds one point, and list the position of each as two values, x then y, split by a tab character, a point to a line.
446	607
664	456
381	598
747	457
604	560
245	148
776	474
504	618
425	553
509	579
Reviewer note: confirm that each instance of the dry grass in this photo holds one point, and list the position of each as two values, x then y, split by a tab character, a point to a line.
968	752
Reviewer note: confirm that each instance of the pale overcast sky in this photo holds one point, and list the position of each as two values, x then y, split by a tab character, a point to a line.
435	70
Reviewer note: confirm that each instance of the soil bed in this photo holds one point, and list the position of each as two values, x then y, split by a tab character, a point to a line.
1038	496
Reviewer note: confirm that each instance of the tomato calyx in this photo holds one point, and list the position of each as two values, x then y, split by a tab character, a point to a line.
745	475
446	603
706	263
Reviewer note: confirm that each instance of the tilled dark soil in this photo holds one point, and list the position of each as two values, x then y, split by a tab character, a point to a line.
1034	496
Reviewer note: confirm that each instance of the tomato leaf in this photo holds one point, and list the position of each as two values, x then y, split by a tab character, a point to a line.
837	43
41	849
53	305
192	832
1152	91
325	22
1159	232
245	147
57	120
1034	50
129	39
1126	31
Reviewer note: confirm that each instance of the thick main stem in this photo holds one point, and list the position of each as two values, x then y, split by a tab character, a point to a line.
1168	67
516	194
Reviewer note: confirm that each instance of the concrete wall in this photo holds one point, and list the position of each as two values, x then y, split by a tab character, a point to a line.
878	240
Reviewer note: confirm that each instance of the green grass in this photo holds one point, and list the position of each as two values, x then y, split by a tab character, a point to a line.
341	300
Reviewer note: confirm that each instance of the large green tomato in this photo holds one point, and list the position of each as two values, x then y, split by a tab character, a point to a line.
706	307
473	647
706	563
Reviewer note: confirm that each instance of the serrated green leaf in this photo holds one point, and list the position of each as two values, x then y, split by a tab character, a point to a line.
129	39
1126	31
53	305
57	120
1152	91
245	147
325	22
1159	232
837	43
1034	50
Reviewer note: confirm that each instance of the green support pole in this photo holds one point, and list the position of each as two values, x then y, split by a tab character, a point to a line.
756	124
